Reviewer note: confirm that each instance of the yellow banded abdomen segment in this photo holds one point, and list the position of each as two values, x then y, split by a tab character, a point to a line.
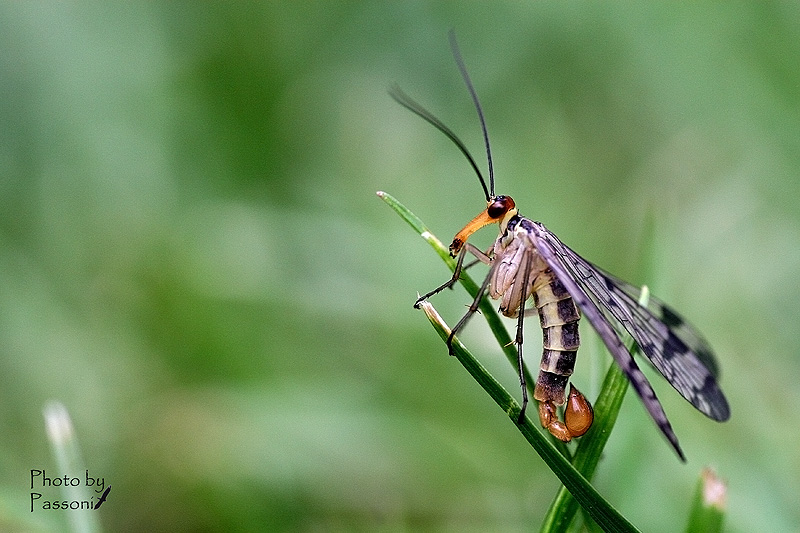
559	318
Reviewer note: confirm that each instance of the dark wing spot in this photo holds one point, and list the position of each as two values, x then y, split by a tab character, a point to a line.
669	318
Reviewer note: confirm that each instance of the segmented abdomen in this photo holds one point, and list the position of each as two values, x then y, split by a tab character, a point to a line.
559	318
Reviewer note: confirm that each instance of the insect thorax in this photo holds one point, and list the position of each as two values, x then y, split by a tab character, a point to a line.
515	255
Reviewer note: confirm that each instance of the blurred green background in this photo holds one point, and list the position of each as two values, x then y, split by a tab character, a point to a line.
194	261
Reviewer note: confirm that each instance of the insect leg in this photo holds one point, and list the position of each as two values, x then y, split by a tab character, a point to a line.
473	306
526	272
480	255
471	264
449	283
481	258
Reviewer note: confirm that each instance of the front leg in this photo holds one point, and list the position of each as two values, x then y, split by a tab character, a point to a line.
476	302
480	256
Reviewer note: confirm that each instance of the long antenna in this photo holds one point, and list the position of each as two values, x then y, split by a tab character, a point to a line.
406	101
464	74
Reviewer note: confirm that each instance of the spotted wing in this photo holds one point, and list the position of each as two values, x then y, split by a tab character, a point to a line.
674	347
611	306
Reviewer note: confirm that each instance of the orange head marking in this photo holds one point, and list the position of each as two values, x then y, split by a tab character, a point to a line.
497	210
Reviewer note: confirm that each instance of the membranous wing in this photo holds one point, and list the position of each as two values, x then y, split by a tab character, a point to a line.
611	306
675	348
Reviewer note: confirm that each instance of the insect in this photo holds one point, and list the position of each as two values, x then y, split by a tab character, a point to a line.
528	262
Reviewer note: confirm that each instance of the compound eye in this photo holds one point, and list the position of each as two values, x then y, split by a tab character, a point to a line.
500	206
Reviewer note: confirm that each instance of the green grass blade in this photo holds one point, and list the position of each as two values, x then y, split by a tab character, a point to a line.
584	493
708	508
69	462
590	448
